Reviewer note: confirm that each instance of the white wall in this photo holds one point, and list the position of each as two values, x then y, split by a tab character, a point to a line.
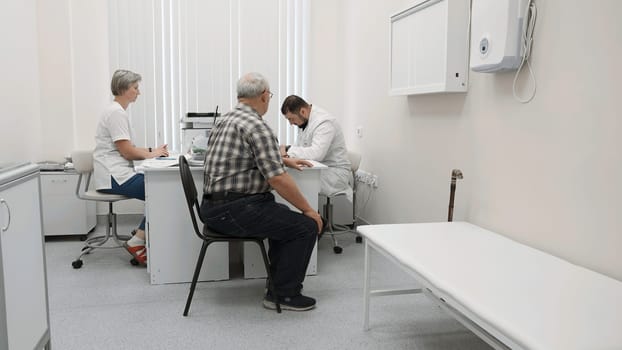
20	128
91	74
56	89
54	65
546	173
73	47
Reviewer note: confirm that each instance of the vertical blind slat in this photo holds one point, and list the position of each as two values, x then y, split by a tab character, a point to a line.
196	50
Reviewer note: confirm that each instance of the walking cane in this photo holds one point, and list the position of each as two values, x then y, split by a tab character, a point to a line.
455	174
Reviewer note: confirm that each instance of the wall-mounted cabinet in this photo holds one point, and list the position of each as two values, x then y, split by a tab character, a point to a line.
430	48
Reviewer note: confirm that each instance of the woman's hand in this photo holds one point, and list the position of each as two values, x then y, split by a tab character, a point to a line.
296	163
161	151
131	152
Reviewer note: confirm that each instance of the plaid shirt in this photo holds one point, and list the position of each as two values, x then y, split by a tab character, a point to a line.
242	153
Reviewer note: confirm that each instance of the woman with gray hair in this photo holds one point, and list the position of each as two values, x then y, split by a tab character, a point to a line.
114	153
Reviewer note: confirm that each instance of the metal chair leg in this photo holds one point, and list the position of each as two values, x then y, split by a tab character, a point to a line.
96	242
195	277
328	214
270	279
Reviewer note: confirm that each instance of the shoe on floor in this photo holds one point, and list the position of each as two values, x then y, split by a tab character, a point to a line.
139	252
294	303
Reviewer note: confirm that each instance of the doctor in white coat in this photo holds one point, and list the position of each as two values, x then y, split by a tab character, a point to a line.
320	139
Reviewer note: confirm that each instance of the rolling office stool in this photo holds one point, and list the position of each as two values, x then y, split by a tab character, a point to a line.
83	163
333	229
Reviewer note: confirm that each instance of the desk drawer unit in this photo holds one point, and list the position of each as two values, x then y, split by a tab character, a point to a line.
63	212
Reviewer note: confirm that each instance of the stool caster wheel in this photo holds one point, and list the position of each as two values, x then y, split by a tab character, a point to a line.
337	249
76	264
359	239
134	262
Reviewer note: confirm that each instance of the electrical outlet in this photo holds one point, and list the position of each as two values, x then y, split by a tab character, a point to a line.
367	178
359	131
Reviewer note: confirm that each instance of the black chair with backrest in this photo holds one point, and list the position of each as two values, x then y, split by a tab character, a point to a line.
209	236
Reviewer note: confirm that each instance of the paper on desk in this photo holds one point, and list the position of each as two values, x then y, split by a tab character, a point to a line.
316	164
160	162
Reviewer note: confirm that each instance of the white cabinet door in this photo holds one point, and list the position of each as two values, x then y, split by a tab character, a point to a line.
63	212
23	267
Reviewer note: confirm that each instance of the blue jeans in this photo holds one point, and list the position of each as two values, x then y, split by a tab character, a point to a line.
291	235
134	187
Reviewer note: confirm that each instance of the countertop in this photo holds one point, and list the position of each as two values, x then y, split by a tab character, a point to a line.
15	170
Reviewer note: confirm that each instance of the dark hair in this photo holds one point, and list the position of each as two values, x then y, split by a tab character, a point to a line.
293	104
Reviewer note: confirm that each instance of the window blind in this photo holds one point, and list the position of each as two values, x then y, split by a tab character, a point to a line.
191	53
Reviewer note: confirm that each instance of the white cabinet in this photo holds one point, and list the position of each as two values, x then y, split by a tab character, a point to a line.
24	321
430	48
63	212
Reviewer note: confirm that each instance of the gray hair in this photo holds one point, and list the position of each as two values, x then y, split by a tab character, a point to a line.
252	85
122	80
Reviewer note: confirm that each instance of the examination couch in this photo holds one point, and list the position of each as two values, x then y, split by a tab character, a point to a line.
509	294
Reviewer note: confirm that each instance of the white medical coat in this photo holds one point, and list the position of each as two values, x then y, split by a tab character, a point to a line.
323	141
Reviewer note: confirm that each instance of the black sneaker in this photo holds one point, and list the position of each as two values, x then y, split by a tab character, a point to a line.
294	303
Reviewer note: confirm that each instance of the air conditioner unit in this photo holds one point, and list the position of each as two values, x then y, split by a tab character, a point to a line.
496	29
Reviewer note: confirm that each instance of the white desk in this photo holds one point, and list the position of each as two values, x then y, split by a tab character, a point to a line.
308	180
173	247
509	294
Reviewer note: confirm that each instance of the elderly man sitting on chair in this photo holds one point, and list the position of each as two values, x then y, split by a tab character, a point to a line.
320	139
242	166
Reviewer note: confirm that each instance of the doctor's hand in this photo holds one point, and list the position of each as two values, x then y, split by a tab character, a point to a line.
297	163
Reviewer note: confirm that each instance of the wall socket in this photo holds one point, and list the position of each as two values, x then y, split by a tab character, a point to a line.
359	131
365	177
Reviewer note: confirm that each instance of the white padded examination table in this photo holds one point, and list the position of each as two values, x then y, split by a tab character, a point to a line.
511	295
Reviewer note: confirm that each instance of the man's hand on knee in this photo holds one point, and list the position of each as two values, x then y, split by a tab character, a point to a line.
315	216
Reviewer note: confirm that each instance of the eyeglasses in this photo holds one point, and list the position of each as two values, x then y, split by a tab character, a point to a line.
271	94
